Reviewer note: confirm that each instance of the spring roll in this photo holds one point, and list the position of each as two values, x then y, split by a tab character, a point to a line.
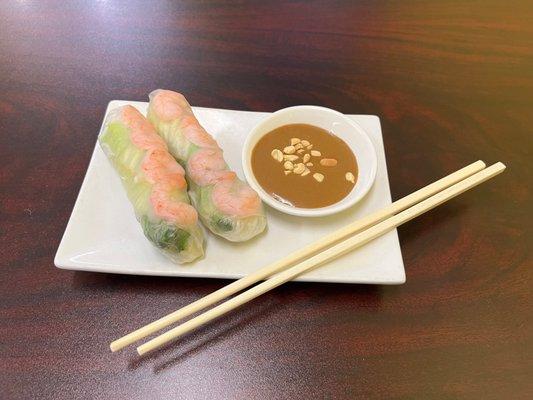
226	205
154	182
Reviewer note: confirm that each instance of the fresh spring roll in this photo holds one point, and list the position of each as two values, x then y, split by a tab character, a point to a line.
154	182
227	206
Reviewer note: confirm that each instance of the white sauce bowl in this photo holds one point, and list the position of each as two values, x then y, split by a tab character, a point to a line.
333	121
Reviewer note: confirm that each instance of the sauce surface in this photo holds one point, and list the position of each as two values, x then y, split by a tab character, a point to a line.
324	182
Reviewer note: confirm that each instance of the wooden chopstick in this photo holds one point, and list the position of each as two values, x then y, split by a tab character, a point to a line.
298	255
325	256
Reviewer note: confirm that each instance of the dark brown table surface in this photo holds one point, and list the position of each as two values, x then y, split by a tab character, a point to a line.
452	82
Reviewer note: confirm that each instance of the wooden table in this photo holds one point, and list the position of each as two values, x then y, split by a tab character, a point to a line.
452	83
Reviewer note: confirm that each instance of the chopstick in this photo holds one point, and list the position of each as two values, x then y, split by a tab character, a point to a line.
298	255
325	256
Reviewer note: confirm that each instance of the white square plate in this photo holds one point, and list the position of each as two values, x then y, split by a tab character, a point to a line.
102	234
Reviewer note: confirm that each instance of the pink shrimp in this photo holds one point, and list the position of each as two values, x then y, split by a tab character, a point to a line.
197	135
233	197
169	105
207	166
160	168
167	175
143	134
177	212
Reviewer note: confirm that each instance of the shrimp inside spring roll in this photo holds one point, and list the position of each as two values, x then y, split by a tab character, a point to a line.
226	204
154	182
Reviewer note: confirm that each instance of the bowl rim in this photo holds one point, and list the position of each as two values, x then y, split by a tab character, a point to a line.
334	208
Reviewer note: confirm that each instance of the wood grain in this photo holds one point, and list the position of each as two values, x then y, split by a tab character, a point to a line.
452	82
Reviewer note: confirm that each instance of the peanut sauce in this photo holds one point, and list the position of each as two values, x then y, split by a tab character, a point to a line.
283	170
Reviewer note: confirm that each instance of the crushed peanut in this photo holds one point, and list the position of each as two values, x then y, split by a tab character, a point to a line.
290	157
350	177
288	165
294	141
299	168
277	155
289	150
305	142
318	177
328	162
306	172
309	164
307	157
316	153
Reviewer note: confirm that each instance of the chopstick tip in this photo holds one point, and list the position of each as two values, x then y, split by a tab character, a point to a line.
497	168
